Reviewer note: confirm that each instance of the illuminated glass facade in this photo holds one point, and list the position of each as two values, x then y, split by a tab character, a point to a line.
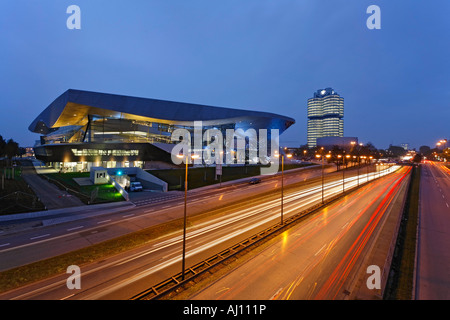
80	129
325	116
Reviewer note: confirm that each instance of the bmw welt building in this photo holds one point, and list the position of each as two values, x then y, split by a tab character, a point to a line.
83	129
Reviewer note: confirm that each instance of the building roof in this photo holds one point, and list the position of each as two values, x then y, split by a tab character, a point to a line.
73	106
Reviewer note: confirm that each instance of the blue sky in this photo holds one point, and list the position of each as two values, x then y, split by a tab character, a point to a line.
248	54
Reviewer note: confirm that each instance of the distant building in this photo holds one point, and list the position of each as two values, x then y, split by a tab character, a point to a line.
405	146
344	142
325	116
29	152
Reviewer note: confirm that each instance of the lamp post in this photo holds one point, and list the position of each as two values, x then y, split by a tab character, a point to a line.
323	158
443	143
343	159
370	163
282	181
344	164
354	157
343	170
367	167
186	158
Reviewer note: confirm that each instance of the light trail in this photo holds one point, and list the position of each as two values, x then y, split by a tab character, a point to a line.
216	231
336	280
313	253
257	215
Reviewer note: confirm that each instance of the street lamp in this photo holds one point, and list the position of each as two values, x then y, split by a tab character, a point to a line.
323	158
367	167
443	143
354	157
344	164
186	159
282	180
343	159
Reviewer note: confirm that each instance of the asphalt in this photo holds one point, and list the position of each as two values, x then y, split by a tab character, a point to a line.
433	256
301	255
50	195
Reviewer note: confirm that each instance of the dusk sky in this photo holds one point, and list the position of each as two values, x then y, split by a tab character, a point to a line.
247	54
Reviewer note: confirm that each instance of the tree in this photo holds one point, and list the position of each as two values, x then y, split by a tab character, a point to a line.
425	150
2	146
11	148
446	154
337	151
417	158
395	151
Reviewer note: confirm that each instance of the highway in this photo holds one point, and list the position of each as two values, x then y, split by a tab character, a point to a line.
318	258
433	257
123	275
23	242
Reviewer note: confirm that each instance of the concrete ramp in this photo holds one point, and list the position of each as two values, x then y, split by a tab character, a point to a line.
147	180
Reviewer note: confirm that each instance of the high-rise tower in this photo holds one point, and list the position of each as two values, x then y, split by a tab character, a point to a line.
325	115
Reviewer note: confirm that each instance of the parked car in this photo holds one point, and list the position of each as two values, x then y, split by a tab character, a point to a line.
136	186
254	180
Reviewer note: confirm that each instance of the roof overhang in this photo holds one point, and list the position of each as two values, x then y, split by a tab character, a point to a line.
74	106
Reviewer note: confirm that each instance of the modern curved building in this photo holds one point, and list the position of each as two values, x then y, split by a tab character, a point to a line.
81	129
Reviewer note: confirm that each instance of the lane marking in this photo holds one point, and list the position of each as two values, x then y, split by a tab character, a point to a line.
4	244
223	289
104	221
276	294
320	249
41	236
75	228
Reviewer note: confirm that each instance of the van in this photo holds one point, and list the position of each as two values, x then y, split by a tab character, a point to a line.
136	186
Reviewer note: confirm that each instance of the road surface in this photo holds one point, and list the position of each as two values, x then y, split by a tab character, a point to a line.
433	257
23	242
124	275
319	258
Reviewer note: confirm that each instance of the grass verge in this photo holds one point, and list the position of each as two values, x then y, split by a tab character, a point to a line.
65	181
204	176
